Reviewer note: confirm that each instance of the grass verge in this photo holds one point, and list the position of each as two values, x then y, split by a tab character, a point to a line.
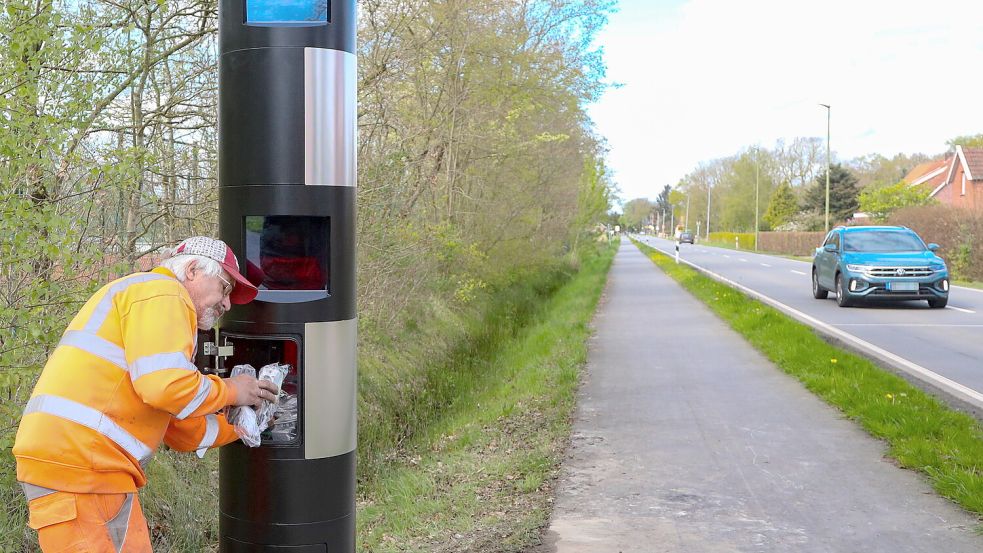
922	433
478	477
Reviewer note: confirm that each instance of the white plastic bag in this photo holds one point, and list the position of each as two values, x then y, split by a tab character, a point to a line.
243	417
275	373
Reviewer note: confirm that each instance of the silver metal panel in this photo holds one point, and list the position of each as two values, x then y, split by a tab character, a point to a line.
329	117
329	388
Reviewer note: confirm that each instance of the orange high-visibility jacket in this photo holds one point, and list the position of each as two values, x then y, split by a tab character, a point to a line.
119	382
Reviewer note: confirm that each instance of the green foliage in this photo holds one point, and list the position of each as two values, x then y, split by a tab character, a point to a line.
637	213
843	194
967	141
880	201
593	200
743	240
743	183
782	206
474	471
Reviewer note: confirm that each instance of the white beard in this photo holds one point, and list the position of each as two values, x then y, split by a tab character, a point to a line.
208	319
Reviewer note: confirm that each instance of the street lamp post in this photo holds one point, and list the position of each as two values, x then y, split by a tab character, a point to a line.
686	224
756	165
827	164
708	208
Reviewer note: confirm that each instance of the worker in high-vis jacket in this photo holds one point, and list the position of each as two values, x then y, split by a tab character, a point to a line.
121	381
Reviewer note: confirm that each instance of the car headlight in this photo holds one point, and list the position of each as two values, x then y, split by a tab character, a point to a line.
858	268
937	267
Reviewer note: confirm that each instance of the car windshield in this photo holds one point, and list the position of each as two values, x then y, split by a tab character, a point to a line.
882	241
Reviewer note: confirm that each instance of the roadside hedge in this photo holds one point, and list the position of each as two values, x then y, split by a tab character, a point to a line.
958	232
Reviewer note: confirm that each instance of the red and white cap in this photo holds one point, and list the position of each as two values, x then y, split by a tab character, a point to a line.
244	291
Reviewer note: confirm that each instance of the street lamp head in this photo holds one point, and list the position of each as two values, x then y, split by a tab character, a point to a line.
825	105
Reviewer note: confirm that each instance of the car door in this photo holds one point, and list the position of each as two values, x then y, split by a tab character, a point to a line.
826	262
827	270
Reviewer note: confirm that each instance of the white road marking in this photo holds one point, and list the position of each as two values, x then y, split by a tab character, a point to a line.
727	256
765	265
960	309
961	391
742	260
798	272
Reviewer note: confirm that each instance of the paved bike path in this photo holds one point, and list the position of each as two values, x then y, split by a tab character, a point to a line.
686	439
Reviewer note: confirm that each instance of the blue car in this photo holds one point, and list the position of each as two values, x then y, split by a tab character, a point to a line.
879	263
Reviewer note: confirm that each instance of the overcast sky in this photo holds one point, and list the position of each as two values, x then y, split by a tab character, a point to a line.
704	79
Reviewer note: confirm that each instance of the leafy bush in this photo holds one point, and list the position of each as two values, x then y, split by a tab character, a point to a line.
957	231
745	240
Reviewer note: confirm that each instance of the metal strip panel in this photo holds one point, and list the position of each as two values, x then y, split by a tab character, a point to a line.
330	371
329	117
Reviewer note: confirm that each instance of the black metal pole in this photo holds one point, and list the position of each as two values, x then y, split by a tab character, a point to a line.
287	202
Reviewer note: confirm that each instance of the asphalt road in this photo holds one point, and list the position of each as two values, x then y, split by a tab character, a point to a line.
686	439
947	342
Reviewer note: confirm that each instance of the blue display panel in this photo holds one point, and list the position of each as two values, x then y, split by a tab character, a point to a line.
286	12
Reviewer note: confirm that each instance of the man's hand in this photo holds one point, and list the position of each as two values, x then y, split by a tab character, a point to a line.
250	391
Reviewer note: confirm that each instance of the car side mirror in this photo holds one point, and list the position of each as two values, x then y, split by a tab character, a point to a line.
831	248
933	246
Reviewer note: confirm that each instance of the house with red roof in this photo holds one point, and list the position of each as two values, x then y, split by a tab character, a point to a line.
956	180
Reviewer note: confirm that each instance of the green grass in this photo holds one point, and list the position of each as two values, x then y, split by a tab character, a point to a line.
969	284
478	476
922	433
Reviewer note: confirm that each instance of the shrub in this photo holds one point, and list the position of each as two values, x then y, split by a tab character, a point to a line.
957	231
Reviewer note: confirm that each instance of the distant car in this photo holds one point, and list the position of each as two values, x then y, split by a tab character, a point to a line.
686	237
879	263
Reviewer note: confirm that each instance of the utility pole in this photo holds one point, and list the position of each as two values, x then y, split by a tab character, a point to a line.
828	163
708	208
686	226
756	226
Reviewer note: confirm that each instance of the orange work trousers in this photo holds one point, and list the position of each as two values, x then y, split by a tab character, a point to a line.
90	523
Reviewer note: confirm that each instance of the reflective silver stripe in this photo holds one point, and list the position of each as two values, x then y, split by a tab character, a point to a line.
211	432
330	117
160	361
119	525
33	492
96	345
203	390
91	418
330	388
102	310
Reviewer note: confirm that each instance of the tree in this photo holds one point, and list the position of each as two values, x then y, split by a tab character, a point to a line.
782	206
842	194
877	170
799	162
968	141
880	201
637	212
662	202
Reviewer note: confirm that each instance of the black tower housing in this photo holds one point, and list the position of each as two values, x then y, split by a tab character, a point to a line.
287	205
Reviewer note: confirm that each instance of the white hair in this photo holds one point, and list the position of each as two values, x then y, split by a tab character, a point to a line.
178	263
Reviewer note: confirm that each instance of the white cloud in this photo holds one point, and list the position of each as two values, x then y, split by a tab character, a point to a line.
708	78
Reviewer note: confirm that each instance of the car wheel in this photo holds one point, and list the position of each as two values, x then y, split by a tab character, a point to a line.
938	303
841	298
818	291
